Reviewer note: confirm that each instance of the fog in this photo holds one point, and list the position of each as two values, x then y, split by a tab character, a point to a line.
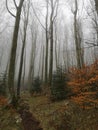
64	29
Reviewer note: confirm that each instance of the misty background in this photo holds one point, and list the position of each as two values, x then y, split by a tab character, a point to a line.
63	30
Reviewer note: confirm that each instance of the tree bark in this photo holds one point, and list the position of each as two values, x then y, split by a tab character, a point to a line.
47	42
11	73
79	52
96	5
22	52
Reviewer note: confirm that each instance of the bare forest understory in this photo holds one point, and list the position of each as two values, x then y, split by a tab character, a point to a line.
39	113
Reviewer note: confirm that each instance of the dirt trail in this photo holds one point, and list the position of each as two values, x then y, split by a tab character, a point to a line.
28	120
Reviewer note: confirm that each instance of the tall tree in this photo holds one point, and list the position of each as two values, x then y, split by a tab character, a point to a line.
94	18
53	15
56	41
96	5
11	73
42	74
77	37
34	37
47	42
26	18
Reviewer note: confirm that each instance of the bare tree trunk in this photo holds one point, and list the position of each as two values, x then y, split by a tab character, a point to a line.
79	52
39	69
51	44
75	33
11	73
47	41
23	48
66	52
53	15
51	54
56	39
24	67
32	58
42	76
96	5
58	53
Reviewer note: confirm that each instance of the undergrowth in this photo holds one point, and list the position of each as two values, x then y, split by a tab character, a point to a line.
62	115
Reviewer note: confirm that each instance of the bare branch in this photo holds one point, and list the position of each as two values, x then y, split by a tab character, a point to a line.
56	9
15	4
37	17
9	10
94	44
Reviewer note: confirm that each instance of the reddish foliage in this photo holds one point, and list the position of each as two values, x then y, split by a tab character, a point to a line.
84	85
3	101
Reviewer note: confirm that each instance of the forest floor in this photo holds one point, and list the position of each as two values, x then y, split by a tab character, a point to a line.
62	115
9	118
19	118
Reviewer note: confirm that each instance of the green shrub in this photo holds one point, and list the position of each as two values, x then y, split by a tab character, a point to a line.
58	89
36	86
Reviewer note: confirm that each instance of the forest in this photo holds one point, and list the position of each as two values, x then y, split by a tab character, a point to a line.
49	65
